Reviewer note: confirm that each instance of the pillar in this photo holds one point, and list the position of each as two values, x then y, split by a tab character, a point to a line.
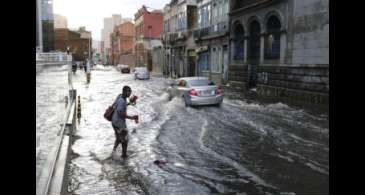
245	51
282	47
262	41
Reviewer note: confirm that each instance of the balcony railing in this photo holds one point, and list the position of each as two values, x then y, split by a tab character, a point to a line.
212	30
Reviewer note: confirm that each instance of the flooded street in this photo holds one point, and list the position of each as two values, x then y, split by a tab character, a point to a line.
239	148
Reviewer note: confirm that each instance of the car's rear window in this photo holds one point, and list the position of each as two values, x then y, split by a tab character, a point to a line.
202	82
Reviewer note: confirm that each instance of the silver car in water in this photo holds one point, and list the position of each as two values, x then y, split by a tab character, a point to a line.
196	91
141	73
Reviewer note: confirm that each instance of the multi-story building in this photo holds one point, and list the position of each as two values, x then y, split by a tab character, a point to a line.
180	20
122	41
84	34
102	52
60	21
212	39
79	47
148	28
109	24
280	48
45	26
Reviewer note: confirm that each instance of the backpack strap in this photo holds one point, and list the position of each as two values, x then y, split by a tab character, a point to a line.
115	101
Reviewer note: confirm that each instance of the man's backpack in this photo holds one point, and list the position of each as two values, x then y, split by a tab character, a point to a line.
109	113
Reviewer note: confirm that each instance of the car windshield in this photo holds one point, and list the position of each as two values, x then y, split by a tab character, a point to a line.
202	82
141	69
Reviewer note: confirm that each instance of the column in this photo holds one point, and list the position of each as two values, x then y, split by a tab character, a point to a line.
282	47
245	50
262	41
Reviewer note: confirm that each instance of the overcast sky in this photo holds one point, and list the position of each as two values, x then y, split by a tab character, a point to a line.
90	13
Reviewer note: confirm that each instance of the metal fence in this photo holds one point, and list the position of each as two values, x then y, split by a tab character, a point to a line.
53	57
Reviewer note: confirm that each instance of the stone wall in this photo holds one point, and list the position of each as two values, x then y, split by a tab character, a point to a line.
302	73
314	79
310	32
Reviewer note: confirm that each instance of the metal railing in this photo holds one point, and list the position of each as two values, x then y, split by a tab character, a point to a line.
45	186
53	57
219	28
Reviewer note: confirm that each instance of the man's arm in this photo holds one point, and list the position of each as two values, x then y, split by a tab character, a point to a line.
124	115
122	111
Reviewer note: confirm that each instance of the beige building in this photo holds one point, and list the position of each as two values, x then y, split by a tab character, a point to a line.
60	21
109	24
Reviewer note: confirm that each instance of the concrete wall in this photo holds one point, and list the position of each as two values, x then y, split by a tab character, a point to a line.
310	43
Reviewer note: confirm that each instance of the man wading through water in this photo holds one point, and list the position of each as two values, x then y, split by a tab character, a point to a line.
119	122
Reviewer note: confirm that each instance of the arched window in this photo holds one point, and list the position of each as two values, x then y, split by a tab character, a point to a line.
238	42
272	39
254	42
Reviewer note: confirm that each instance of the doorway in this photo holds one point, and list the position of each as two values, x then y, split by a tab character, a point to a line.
191	63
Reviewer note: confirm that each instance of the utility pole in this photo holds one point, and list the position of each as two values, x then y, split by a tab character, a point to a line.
89	45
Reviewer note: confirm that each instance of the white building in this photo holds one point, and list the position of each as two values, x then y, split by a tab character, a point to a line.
60	21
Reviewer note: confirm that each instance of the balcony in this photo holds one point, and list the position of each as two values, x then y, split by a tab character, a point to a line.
177	36
212	31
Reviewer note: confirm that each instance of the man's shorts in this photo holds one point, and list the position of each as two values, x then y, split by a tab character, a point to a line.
121	134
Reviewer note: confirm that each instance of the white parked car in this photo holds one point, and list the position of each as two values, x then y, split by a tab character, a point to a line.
141	73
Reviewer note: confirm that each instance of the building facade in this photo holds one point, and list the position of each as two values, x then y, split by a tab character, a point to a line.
79	47
280	48
86	35
44	26
109	24
180	21
60	21
148	29
212	39
122	41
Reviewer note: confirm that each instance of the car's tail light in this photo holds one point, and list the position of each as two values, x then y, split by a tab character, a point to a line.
219	91
192	92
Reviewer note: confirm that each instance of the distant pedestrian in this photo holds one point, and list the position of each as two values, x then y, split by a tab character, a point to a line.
119	120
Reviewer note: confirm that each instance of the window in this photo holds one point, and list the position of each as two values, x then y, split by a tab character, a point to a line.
226	7
201	82
209	15
203	61
182	83
238	42
199	18
220	11
204	15
214	15
272	39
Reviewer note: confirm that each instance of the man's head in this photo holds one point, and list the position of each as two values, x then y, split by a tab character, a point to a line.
127	91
